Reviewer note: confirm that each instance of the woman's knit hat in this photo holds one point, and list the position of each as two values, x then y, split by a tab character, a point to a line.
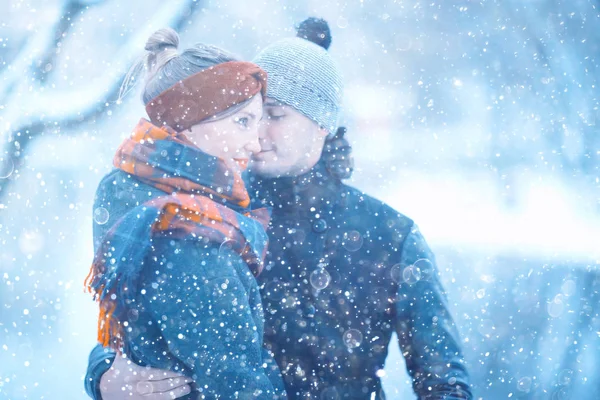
302	74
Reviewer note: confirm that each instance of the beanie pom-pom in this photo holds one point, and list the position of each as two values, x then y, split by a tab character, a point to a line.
315	30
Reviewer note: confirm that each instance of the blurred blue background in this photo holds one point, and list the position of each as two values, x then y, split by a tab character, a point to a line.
478	119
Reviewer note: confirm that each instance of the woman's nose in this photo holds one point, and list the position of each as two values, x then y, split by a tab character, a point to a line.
253	146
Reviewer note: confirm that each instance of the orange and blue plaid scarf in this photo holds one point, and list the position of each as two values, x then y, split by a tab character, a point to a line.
202	199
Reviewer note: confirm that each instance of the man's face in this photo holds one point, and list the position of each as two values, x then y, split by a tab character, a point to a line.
291	143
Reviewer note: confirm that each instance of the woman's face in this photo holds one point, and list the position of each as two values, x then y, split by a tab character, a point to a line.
234	138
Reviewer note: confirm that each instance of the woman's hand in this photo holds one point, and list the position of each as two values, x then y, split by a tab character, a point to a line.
127	380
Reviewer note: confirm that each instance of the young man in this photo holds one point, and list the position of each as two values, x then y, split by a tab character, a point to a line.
344	270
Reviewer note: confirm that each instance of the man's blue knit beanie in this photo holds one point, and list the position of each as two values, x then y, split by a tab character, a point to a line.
302	74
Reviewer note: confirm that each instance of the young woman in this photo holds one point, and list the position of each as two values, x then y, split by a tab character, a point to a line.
177	248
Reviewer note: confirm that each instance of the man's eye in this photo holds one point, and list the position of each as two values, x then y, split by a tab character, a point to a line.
275	117
243	121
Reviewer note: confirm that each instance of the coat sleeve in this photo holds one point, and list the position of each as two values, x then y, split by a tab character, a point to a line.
100	360
197	296
426	331
274	374
107	197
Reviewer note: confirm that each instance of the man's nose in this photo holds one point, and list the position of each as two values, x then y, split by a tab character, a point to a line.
262	128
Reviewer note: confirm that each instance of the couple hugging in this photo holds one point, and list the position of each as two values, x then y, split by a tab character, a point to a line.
280	281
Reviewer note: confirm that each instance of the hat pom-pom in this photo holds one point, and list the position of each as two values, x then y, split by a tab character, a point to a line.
315	30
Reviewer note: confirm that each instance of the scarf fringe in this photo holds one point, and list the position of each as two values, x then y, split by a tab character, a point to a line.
110	328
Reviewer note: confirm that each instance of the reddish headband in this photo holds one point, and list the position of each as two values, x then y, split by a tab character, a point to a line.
207	93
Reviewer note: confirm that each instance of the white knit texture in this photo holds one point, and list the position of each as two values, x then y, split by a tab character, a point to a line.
304	76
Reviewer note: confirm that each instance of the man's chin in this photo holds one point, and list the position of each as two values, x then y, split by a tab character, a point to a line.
264	155
259	168
267	169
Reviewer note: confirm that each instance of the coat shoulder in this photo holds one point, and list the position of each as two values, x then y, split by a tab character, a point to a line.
120	188
374	211
117	193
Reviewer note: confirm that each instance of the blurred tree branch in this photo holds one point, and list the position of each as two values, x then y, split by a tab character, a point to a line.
30	105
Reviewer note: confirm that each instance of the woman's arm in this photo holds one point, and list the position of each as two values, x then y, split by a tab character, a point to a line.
99	362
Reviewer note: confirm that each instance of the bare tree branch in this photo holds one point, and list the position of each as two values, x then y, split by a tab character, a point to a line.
25	119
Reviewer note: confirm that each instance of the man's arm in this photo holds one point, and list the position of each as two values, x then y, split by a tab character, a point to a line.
99	362
426	331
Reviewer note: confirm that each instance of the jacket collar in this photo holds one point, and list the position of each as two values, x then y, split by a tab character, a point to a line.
312	188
